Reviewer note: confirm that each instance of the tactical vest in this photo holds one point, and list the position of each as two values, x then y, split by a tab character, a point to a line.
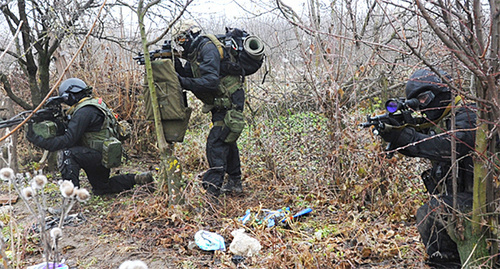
227	84
95	140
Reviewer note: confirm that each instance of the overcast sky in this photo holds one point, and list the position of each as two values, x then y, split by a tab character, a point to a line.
238	8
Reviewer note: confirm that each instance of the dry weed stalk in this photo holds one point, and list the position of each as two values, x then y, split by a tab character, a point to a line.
34	197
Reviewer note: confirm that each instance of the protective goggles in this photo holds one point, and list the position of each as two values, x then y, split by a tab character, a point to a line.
425	98
182	38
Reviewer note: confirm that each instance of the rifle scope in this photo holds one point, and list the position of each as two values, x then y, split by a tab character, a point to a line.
393	105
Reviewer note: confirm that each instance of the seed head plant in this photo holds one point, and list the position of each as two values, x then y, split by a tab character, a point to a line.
32	191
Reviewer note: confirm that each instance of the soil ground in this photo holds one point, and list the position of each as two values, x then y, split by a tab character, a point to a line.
139	225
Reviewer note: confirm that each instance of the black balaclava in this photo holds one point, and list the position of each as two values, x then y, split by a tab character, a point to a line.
437	106
191	44
424	80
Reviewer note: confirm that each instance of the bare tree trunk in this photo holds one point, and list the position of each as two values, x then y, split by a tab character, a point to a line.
170	176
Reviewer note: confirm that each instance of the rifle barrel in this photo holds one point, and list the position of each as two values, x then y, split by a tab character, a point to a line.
10	123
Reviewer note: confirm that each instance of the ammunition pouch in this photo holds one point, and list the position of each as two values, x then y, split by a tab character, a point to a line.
222	103
45	129
230	84
235	121
111	152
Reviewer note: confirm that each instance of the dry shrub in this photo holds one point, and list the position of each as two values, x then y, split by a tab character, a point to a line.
364	217
363	203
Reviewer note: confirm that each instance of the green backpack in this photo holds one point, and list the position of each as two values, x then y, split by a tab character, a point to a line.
172	101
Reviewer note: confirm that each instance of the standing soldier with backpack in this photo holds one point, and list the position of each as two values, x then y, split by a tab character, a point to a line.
222	95
84	142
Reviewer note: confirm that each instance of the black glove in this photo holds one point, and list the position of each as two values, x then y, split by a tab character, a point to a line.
32	137
387	130
181	79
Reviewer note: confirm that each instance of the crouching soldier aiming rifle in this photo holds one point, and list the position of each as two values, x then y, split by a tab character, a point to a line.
429	137
90	140
46	122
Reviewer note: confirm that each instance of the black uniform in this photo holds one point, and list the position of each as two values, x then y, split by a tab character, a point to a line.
432	216
72	156
222	157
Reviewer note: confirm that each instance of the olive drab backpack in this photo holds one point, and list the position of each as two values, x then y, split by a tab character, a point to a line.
172	101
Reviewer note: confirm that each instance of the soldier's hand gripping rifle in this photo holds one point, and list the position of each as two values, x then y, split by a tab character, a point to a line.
163	53
47	122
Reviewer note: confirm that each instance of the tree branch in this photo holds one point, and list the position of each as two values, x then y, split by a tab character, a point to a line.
8	90
451	45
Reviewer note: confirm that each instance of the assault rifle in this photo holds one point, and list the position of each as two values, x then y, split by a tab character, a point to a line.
399	111
163	53
47	122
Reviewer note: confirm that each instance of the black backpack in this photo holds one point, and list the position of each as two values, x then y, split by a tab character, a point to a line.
244	52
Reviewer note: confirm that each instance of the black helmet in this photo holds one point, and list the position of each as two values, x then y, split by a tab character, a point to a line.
425	80
72	85
428	91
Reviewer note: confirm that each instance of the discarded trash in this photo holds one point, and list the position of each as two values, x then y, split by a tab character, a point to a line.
135	264
209	241
271	217
247	216
300	213
243	244
43	265
53	221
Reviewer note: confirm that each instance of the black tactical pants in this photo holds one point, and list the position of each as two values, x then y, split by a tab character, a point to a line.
432	220
222	157
71	160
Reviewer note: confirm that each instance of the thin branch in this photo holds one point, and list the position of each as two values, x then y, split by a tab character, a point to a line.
451	45
169	26
60	78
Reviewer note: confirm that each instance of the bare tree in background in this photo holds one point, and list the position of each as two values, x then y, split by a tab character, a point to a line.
44	27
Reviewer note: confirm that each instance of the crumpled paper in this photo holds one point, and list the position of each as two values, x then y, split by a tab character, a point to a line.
243	244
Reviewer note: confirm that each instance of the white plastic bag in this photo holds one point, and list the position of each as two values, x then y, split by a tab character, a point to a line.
209	241
243	244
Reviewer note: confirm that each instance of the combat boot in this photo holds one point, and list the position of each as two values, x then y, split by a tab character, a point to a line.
233	185
212	180
143	178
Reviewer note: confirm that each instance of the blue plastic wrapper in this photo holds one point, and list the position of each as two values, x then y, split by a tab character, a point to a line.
270	218
209	241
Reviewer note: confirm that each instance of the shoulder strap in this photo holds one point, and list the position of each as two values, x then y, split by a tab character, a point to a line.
217	43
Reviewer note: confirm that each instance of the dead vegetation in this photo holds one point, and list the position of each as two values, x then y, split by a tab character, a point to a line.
363	219
301	148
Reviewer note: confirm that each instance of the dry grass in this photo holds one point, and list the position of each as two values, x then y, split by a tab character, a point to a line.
364	219
363	204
